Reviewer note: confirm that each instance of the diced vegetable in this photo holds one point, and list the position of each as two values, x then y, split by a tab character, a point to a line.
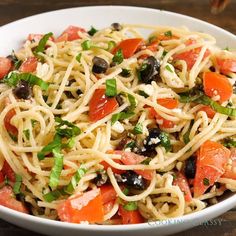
29	65
100	105
8	199
130	217
130	158
129	46
92	31
111	89
82	207
230	169
117	171
190	57
211	161
182	182
12	130
70	34
5	66
226	65
209	111
17	185
118	57
216	84
108	193
42	43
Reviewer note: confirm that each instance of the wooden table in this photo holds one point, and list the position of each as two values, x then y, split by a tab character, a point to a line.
11	10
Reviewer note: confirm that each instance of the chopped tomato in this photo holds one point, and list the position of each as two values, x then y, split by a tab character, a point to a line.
29	65
5	66
230	171
7	122
130	217
1	177
82	207
117	171
8	199
108	193
182	182
100	105
129	46
190	57
226	65
107	207
70	34
211	160
169	103
130	158
217	84
8	172
153	46
209	111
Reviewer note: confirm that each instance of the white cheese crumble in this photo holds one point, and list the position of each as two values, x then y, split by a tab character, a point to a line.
118	127
148	89
170	77
42	69
154	141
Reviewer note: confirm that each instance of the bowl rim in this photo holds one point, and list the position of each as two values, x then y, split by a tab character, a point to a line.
177	220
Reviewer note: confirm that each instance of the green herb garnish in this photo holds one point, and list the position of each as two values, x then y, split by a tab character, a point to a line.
86	45
131	206
92	31
111	89
206	182
42	43
78	57
169	69
168	33
118	57
138	129
27	133
17	184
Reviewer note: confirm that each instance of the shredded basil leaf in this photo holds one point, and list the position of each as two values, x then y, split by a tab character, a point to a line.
142	93
57	167
125	73
168	33
152	39
121	116
126	191
131	206
111	89
110	45
206	182
131	144
186	135
138	129
12	79
13	137
132	102
118	57
75	180
86	45
78	57
165	141
52	196
27	133
92	31
42	43
229	143
164	53
17	184
169	69
146	161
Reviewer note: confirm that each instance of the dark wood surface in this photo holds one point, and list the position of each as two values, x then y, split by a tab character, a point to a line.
11	10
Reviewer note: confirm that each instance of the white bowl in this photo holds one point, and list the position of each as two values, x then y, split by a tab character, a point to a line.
102	16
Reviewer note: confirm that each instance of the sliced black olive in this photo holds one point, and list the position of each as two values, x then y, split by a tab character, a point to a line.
23	90
99	65
78	92
125	73
132	179
190	167
120	99
150	70
152	140
100	179
116	26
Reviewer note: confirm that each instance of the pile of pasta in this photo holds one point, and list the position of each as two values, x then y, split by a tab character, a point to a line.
104	126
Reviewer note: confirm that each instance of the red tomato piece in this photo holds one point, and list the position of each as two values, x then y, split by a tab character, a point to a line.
5	66
82	207
209	111
108	193
211	160
130	158
70	34
100	105
117	171
1	177
169	103
8	172
231	172
217	84
129	46
8	199
29	65
130	217
7	122
226	65
190	57
182	182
